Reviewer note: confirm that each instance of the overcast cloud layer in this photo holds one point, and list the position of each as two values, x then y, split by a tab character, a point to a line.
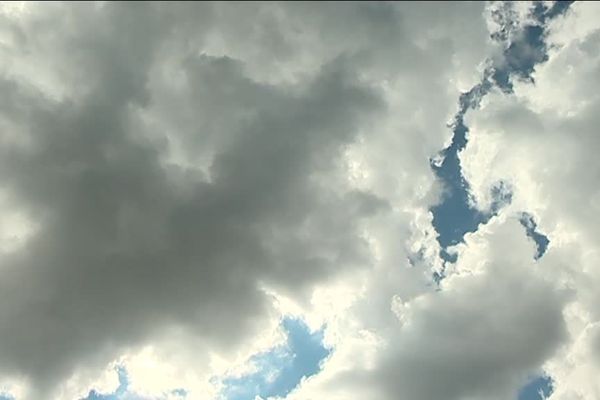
177	178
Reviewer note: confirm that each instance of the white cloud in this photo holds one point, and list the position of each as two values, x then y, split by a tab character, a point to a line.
496	318
543	140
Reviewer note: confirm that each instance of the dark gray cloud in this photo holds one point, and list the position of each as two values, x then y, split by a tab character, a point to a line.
127	245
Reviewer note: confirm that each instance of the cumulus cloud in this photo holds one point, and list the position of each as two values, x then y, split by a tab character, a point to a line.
165	166
177	177
130	245
495	319
543	139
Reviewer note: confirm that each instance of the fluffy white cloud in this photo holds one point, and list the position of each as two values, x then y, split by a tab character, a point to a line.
496	318
543	141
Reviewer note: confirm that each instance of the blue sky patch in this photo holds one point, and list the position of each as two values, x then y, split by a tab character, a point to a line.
281	369
537	389
528	48
541	240
454	216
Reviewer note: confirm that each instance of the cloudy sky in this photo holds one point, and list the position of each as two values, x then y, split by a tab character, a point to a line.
301	201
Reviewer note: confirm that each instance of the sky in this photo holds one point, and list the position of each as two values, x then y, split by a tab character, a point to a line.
299	201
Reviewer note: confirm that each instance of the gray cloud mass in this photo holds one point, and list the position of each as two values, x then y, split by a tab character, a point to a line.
127	244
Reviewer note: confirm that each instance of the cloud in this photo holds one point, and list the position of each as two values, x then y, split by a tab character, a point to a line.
495	320
130	248
170	163
542	139
177	177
